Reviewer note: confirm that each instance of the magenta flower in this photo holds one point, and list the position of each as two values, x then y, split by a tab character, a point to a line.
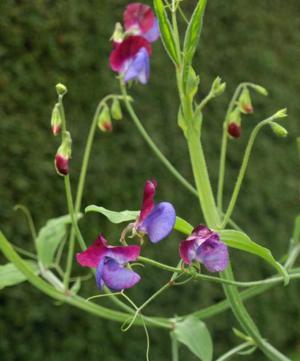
204	246
139	19
155	220
110	262
130	58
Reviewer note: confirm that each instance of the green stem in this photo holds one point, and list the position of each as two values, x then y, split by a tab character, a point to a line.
152	145
243	169
69	298
234	351
29	220
200	276
203	185
175	348
224	146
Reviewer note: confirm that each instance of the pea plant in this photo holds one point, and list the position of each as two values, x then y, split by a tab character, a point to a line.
204	252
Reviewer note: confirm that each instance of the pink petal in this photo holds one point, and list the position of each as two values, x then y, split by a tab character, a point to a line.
93	254
148	199
140	16
123	254
127	50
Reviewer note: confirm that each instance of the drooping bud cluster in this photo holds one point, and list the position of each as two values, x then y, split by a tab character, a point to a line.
107	114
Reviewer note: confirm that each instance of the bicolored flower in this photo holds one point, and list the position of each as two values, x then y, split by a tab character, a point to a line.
139	19
204	246
130	58
110	262
234	128
155	220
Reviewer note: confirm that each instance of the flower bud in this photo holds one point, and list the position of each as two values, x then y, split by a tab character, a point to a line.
218	87
63	155
234	123
259	89
104	120
118	34
245	102
282	113
234	130
56	120
116	110
61	89
279	130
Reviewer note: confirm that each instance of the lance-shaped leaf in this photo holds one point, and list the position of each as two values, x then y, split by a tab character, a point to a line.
50	236
126	216
194	334
166	31
241	241
192	37
10	275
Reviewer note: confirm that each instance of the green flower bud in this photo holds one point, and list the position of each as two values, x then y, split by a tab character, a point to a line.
192	83
56	120
118	34
218	87
259	89
282	113
63	155
279	130
116	110
61	89
104	120
245	102
233	123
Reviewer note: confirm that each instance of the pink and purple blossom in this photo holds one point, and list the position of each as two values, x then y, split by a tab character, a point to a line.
110	262
155	220
130	58
139	19
204	246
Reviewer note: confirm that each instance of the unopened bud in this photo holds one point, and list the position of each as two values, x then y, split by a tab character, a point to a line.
245	102
104	120
279	130
61	89
234	130
282	113
118	34
56	120
218	87
259	89
116	110
63	155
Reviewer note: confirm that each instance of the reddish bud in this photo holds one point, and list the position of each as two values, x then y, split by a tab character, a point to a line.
234	130
62	164
248	108
56	129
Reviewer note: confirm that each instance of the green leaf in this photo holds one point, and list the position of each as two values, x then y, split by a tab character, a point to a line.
241	241
10	275
49	238
194	334
166	32
192	37
114	217
125	216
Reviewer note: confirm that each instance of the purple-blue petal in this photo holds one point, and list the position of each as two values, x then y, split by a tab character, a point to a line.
152	34
99	274
160	222
214	255
117	277
138	67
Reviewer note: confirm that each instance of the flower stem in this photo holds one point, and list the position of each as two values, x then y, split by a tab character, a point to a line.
234	351
152	145
243	169
175	348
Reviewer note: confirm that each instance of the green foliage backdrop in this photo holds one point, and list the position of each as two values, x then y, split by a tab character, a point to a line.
43	42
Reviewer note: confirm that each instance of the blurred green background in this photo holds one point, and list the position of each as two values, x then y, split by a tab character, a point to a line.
43	42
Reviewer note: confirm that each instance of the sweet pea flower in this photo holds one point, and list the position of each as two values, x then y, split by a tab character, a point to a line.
139	19
110	262
204	246
155	220
130	58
